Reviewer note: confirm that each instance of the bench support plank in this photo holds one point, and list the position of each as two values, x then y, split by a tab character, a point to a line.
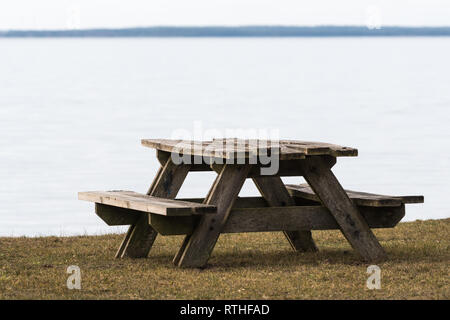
258	219
358	198
304	218
168	226
114	216
276	194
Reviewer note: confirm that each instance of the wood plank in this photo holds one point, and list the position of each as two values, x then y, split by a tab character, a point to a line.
304	218
247	148
292	149
180	225
320	148
138	240
194	148
265	219
141	236
275	193
240	202
196	248
114	216
347	215
145	203
237	148
287	168
169	179
196	163
359	198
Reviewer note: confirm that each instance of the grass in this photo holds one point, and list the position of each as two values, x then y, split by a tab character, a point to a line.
243	266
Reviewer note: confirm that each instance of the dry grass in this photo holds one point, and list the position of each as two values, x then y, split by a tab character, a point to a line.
243	266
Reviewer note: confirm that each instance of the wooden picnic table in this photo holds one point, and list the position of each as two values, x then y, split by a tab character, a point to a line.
321	204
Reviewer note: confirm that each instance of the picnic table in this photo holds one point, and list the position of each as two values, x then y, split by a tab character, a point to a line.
321	204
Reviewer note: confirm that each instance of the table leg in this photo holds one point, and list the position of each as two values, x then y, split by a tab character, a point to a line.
355	229
274	191
197	247
140	236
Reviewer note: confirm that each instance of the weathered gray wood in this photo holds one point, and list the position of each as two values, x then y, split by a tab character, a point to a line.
138	240
359	198
169	179
172	225
275	193
319	148
197	247
287	168
197	163
210	149
334	197
238	148
264	219
165	225
114	216
145	203
141	236
304	218
240	202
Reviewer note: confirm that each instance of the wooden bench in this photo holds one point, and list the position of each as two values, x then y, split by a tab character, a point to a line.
167	216
363	199
249	214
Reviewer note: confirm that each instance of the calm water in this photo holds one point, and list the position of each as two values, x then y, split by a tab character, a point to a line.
73	111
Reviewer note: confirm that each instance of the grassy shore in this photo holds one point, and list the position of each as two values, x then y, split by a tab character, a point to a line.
243	266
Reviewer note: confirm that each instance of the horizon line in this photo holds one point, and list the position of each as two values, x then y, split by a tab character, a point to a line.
236	31
233	26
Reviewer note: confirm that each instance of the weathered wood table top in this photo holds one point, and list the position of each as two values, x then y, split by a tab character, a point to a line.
232	147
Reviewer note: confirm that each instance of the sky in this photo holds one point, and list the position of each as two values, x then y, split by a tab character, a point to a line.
84	14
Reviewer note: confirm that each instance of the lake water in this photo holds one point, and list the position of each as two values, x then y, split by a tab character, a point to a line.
73	111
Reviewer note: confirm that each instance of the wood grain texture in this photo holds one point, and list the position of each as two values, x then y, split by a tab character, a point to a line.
262	219
138	240
196	248
168	180
273	190
237	148
287	167
173	225
114	216
359	198
304	218
196	163
141	236
333	196
145	203
240	202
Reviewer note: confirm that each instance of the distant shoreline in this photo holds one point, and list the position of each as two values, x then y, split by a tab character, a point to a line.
242	31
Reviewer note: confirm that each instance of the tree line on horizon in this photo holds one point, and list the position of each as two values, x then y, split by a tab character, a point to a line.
242	31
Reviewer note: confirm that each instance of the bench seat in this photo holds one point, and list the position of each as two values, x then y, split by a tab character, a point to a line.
141	202
249	214
364	199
